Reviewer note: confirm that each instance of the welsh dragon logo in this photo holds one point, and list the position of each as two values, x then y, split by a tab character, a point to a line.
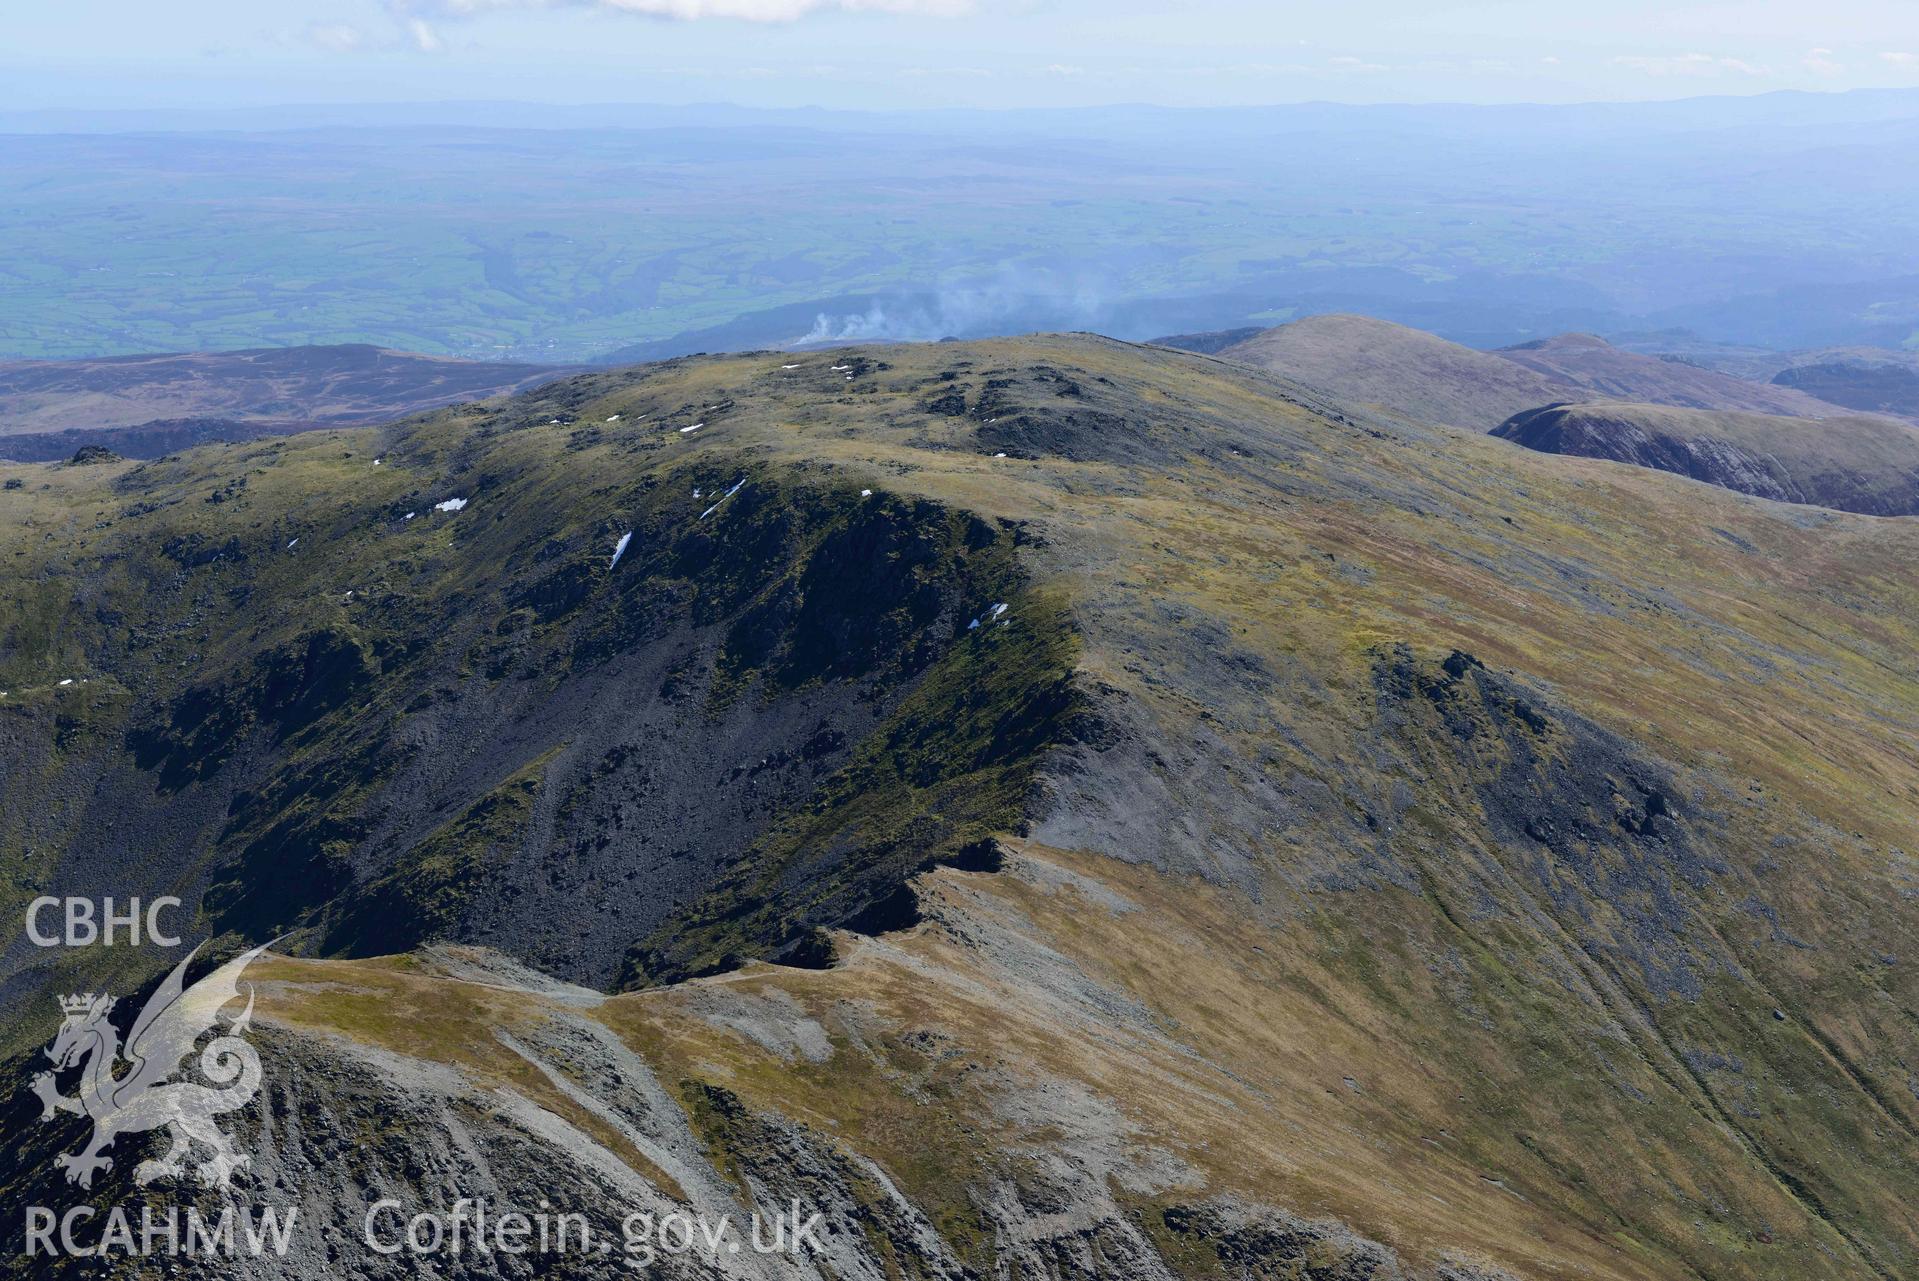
144	1097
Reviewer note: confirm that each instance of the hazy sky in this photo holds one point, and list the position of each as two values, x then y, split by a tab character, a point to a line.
881	53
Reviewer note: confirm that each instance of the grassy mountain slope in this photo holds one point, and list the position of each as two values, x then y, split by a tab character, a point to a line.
1376	362
1859	463
1359	849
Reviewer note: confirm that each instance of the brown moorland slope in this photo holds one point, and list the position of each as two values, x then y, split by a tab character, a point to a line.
1420	375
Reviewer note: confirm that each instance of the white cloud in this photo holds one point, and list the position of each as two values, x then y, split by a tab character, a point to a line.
1821	63
1349	63
1901	59
336	37
1215	72
695	10
1692	64
964	73
424	37
414	34
416	18
1063	69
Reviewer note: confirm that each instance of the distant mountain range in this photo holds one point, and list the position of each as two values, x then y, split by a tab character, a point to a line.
1417	373
1578	394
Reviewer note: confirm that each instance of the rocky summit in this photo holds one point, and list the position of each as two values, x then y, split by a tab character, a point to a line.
1028	808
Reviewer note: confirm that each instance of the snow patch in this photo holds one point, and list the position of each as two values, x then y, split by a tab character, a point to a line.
988	617
619	549
723	497
450	505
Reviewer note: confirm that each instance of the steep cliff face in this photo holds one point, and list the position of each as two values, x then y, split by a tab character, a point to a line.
540	748
1860	464
1052	808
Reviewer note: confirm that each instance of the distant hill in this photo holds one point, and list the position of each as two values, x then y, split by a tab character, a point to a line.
1874	379
155	439
1881	380
1606	372
1429	379
1210	343
1858	464
140	405
1406	370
